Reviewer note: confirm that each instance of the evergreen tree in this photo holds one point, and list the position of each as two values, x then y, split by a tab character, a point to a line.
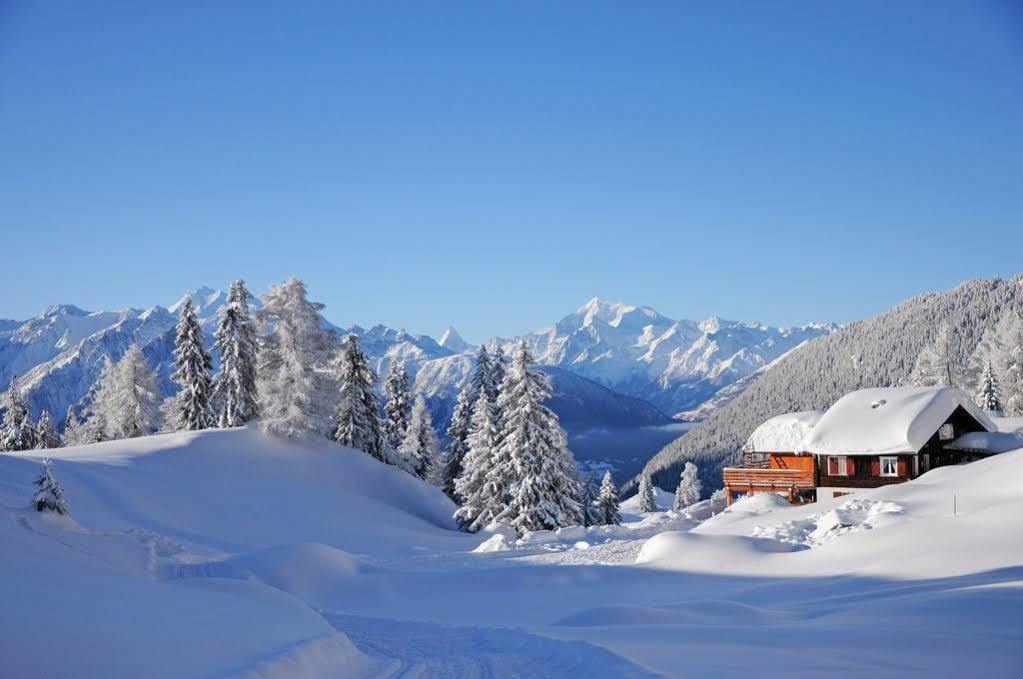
689	487
483	483
483	376
46	432
591	513
1011	362
127	400
75	432
191	408
357	423
545	492
988	396
482	381
234	387
937	366
398	407
93	423
608	502
295	387
498	369
50	496
418	451
458	434
18	432
647	497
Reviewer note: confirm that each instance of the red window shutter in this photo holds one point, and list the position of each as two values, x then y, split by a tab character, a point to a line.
903	467
850	466
875	466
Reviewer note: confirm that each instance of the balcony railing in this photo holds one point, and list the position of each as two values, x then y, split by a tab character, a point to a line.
740	478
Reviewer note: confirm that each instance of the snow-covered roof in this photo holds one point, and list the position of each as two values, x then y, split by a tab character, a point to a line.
888	420
783	433
988	441
1008	423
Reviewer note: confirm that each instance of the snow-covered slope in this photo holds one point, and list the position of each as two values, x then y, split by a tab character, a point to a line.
227	553
179	545
909	530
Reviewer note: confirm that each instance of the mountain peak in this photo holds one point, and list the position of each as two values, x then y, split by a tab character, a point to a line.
206	300
452	341
63	310
710	325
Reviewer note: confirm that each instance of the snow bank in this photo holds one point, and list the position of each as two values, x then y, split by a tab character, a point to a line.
233	491
950	521
197	554
630	506
854	515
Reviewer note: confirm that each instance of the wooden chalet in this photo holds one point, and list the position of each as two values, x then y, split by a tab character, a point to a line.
868	438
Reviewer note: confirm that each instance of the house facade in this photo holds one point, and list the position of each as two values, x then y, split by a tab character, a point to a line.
868	438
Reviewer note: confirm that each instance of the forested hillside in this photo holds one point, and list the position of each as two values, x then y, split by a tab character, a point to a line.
881	351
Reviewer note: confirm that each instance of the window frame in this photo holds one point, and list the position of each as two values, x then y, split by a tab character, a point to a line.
893	460
842	463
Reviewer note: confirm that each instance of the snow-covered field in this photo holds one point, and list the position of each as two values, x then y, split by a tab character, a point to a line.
227	553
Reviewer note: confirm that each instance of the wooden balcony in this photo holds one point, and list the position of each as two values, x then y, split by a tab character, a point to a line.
745	480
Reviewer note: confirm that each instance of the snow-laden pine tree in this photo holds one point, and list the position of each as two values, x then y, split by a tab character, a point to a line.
996	365
481	381
608	502
591	513
483	483
936	366
75	432
498	369
988	396
1012	375
357	422
234	385
46	432
294	382
398	404
191	408
689	487
18	431
647	497
483	376
418	452
127	401
458	435
545	492
50	496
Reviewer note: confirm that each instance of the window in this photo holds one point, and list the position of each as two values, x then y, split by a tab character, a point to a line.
946	432
838	465
889	466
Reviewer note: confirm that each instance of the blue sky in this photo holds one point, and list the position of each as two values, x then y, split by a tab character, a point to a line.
420	164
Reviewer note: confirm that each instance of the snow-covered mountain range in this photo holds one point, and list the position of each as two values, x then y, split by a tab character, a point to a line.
610	363
675	364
